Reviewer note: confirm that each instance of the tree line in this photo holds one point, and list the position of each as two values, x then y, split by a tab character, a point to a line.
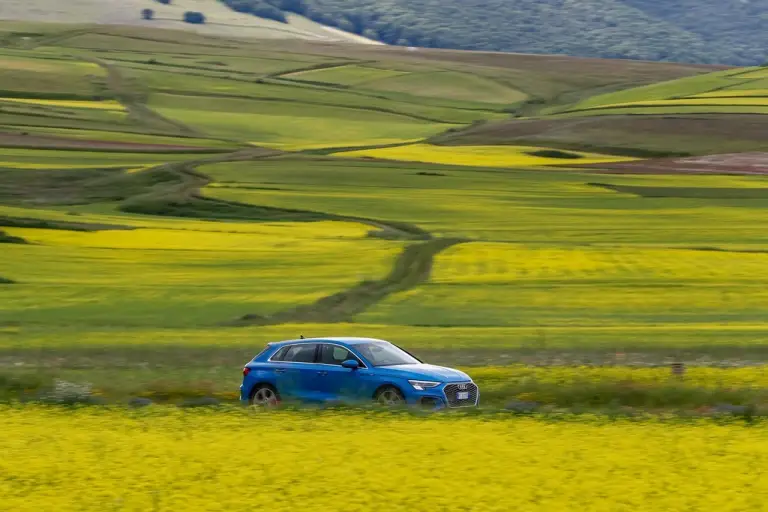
705	31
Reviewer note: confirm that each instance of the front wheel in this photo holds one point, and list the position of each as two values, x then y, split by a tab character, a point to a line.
390	396
264	395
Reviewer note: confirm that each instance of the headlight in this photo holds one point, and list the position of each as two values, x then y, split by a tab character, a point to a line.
421	385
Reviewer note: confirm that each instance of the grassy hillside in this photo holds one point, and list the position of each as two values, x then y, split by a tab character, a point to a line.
220	20
725	32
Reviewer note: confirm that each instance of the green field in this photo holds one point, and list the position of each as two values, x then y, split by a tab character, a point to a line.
712	91
329	196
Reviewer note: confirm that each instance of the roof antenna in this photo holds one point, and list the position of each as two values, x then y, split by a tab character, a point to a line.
301	336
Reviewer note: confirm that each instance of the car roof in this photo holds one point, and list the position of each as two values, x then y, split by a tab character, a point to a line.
340	339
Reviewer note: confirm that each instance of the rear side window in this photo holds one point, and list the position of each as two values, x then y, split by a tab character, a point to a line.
333	354
304	353
280	354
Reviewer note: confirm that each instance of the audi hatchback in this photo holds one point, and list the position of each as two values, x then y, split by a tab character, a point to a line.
352	370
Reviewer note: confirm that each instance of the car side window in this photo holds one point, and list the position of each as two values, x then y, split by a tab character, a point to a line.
334	354
280	354
304	353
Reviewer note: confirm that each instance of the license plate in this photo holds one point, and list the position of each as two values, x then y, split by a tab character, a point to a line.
462	395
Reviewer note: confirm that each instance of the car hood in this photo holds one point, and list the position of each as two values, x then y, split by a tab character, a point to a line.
423	372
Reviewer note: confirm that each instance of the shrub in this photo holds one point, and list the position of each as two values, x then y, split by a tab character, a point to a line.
269	12
555	153
147	14
5	238
196	18
297	6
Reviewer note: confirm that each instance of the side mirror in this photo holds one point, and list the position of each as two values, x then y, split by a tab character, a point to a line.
351	364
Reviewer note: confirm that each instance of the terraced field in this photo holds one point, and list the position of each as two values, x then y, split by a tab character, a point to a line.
170	203
722	111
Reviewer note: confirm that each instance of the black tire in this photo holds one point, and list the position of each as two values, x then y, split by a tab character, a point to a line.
264	395
389	396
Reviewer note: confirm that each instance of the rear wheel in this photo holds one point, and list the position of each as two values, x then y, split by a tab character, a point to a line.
264	395
389	396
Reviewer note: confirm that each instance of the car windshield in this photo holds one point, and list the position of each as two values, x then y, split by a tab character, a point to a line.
385	354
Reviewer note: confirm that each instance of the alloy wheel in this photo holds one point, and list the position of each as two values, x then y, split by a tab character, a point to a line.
390	397
264	397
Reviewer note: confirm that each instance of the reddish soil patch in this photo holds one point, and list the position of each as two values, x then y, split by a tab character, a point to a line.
734	163
17	140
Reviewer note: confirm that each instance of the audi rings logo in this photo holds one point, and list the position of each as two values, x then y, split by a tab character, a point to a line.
462	387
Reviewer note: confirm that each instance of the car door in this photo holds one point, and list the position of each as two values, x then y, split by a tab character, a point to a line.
336	382
296	372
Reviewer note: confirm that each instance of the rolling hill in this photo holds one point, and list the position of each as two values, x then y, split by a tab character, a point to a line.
701	31
723	111
707	31
220	20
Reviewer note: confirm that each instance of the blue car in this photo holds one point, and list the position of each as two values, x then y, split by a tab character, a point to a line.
352	370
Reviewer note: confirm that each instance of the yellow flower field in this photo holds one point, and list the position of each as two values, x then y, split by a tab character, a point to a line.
731	101
168	459
478	156
496	263
185	272
260	237
94	105
730	93
700	377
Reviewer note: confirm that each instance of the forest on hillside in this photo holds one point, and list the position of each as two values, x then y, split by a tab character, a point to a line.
704	31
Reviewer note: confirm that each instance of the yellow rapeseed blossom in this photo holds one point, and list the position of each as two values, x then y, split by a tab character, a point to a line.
478	156
93	105
698	377
497	263
690	101
165	459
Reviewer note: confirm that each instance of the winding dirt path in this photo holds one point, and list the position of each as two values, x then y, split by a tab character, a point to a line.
412	267
135	102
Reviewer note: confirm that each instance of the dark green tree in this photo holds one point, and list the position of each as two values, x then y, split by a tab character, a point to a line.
195	18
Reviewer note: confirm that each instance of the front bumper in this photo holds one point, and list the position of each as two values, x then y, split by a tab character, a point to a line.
444	396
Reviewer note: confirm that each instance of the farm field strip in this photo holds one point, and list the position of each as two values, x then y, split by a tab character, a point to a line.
344	74
700	343
541	206
64	159
754	377
499	263
97	105
103	136
291	126
733	93
726	91
188	277
757	101
583	286
664	109
479	156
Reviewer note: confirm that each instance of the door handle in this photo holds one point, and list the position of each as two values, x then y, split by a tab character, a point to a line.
322	374
279	370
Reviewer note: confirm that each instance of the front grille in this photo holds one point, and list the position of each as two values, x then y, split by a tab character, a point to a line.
452	391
